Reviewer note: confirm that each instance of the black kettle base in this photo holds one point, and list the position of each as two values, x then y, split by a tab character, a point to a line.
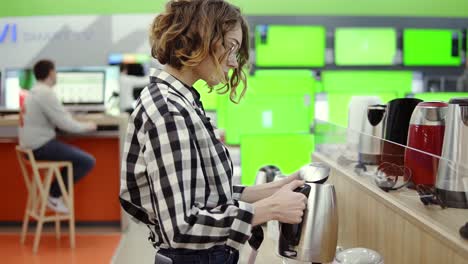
453	199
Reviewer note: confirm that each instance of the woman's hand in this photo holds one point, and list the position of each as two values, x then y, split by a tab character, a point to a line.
292	177
288	206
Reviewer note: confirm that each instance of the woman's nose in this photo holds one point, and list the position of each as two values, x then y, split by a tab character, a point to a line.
232	63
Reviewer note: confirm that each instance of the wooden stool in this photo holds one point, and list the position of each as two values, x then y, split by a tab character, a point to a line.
38	192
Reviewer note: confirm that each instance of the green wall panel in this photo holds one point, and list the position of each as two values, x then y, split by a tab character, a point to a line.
338	104
367	81
209	99
340	86
434	8
289	152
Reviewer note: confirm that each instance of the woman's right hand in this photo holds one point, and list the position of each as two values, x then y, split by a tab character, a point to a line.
289	206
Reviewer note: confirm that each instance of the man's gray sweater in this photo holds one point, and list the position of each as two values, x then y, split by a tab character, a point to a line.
42	113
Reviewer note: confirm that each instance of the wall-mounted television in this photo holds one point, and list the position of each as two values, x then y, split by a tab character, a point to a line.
432	47
290	46
365	46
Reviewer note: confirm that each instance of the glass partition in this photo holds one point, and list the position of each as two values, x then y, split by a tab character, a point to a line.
426	169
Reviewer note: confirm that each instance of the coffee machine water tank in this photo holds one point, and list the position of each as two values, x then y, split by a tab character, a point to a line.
426	133
315	238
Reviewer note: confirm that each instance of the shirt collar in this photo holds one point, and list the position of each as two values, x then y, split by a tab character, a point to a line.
192	95
41	85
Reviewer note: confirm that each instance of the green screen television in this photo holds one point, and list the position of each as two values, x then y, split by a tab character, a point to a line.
431	47
288	152
276	101
290	46
365	46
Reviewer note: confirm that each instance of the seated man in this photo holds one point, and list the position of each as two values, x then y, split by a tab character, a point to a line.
41	114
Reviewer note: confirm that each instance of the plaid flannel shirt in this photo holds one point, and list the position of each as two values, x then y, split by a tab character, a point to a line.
176	175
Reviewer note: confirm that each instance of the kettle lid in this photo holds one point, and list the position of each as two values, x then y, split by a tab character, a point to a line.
462	101
375	114
358	255
315	172
431	104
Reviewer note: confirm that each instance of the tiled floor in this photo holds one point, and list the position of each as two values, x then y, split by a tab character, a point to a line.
135	247
90	248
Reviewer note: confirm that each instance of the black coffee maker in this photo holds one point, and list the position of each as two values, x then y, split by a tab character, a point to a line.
398	116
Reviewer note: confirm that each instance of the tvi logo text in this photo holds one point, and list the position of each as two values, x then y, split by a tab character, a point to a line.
8	29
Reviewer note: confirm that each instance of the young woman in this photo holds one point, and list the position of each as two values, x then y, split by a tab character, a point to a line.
176	175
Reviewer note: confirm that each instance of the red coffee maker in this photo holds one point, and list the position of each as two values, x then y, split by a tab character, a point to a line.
425	133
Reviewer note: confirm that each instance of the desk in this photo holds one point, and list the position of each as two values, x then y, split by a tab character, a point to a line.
398	226
96	195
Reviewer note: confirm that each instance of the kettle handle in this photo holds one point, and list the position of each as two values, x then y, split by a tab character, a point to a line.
464	114
292	232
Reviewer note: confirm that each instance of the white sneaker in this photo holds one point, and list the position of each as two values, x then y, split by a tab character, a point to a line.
57	205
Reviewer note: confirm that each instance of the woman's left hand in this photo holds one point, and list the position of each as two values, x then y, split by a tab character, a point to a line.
291	177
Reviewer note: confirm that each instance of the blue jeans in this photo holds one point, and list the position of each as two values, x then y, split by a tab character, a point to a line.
214	255
55	150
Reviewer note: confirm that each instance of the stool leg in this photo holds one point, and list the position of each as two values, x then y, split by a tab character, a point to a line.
37	237
71	204
24	229
57	226
43	195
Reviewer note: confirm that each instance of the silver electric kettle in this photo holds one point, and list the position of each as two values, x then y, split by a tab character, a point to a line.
452	174
267	174
370	140
315	238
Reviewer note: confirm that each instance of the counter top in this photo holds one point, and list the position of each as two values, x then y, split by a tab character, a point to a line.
442	224
107	125
98	118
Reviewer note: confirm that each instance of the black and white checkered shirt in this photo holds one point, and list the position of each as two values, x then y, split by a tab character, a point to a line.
176	175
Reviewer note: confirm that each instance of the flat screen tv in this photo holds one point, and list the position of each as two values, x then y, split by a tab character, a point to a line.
290	46
276	101
365	46
431	47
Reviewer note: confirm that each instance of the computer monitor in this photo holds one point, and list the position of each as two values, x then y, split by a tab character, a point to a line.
16	82
81	89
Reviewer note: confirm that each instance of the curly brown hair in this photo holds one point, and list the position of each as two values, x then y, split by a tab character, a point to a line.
190	30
